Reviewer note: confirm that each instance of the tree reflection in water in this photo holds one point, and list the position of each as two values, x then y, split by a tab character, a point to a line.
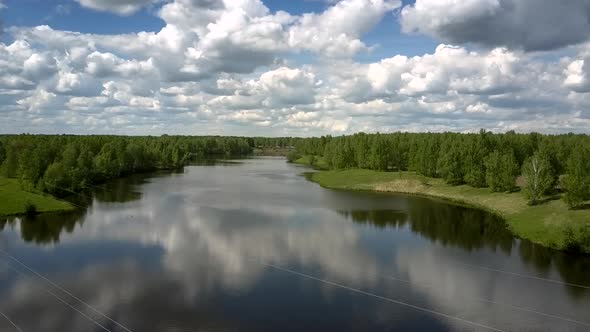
180	255
472	229
45	228
449	225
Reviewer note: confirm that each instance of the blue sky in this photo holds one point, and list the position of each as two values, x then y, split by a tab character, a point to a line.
70	15
297	67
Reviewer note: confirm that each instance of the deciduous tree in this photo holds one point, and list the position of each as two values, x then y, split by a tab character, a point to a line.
577	180
501	170
538	176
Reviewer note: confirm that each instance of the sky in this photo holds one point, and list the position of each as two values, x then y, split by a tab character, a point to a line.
293	67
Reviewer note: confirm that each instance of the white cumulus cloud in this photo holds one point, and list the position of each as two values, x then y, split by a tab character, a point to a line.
236	67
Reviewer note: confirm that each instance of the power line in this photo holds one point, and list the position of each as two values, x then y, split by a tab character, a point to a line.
11	322
501	304
64	301
371	294
64	290
434	312
554	281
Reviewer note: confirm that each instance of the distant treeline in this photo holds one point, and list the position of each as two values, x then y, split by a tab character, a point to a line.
64	164
479	160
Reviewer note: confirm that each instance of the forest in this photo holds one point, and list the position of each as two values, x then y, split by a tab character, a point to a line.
62	164
544	164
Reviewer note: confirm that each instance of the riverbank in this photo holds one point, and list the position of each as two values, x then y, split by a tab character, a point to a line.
313	161
14	199
550	224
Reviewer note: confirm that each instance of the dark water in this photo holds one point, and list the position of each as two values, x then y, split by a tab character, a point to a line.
253	246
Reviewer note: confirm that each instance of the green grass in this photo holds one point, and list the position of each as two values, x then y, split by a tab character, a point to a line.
13	199
544	224
319	162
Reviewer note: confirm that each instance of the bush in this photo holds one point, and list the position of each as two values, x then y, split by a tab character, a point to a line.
30	209
577	241
576	190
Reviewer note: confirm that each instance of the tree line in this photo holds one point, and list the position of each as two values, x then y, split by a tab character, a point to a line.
60	165
547	163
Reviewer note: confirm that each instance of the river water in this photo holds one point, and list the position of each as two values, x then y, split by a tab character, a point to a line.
252	245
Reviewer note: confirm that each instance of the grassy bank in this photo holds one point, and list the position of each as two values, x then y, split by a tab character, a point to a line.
545	224
313	161
13	199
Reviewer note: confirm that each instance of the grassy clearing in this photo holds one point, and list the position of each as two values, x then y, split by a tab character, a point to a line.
13	200
318	162
543	224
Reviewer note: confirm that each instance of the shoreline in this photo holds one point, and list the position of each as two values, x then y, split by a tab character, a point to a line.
543	224
47	203
14	199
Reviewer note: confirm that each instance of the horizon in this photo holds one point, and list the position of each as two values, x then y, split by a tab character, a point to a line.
512	132
303	68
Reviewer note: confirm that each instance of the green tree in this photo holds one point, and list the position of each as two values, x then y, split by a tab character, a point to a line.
137	157
501	170
538	175
11	160
550	147
33	160
84	168
361	151
450	162
292	156
55	181
577	180
425	155
475	153
379	156
106	162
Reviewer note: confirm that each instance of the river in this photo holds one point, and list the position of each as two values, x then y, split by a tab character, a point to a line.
251	245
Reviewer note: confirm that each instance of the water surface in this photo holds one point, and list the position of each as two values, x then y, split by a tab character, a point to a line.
253	246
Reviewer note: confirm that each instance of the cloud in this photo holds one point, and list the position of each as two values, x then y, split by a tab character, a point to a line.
39	66
450	69
577	72
236	67
264	101
285	86
201	251
39	101
332	33
120	7
531	25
